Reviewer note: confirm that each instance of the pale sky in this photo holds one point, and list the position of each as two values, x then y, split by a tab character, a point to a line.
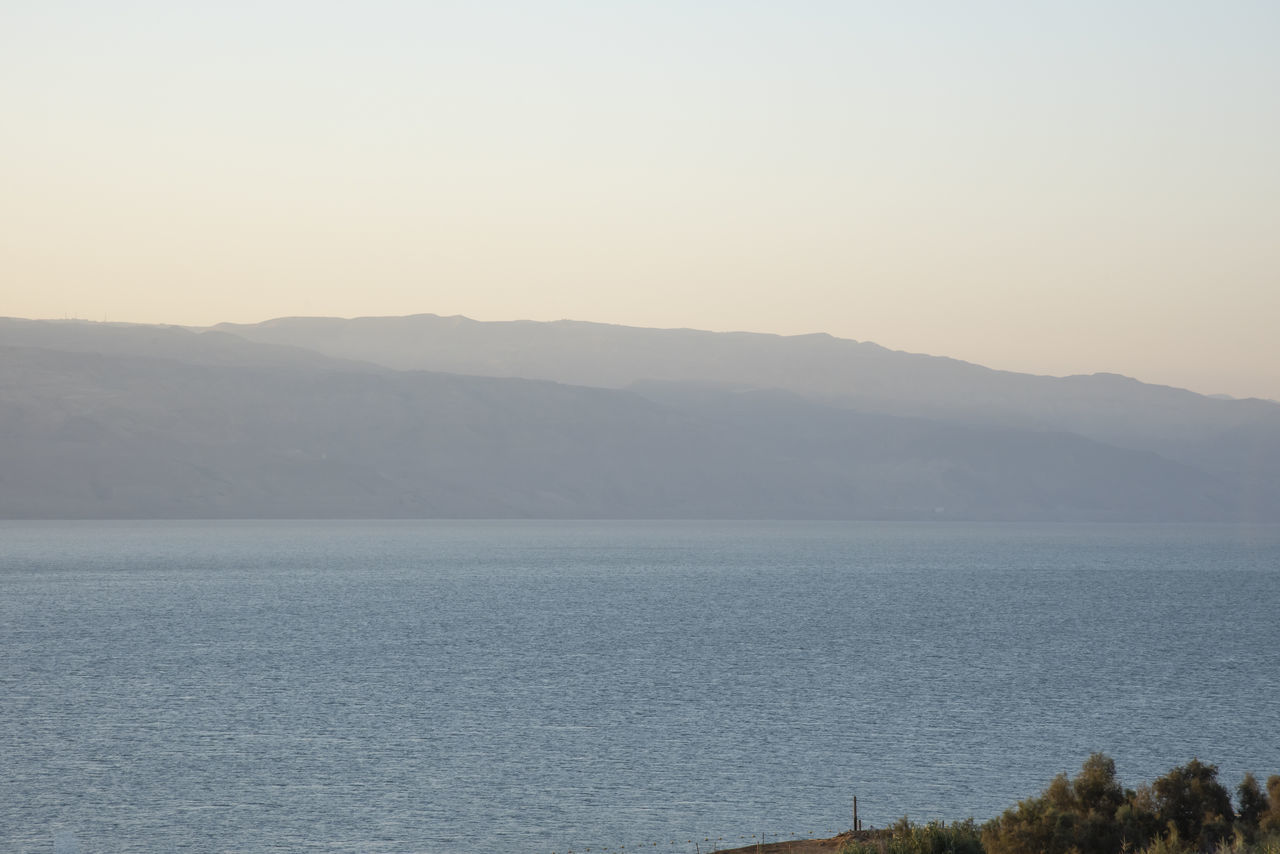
1048	187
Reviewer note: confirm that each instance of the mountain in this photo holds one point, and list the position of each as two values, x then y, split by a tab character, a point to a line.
200	347
1235	439
134	421
855	374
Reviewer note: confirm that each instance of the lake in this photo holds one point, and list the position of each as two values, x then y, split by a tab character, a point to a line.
540	687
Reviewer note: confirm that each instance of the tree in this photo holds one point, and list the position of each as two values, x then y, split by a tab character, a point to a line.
1096	786
1077	815
1191	799
1251	800
1270	820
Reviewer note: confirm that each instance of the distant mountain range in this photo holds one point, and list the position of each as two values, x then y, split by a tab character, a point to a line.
427	416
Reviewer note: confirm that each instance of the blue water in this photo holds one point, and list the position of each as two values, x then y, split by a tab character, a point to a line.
538	687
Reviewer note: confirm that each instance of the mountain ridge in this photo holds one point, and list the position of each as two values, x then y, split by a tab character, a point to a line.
857	375
139	421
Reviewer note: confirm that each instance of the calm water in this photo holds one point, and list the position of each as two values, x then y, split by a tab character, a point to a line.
539	687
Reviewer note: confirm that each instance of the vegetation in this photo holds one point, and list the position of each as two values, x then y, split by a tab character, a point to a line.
936	837
1187	811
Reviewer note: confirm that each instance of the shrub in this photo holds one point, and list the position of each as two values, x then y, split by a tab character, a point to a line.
1252	802
1269	820
1187	811
936	837
1192	800
1070	817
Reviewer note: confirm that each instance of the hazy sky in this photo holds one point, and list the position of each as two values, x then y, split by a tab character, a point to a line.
1051	187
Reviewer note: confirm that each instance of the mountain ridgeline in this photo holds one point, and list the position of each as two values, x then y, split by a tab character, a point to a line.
424	416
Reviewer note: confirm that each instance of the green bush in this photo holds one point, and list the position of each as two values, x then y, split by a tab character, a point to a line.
1191	799
936	837
1071	816
1187	811
1269	819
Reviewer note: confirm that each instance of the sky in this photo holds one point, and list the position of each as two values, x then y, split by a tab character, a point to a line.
1056	188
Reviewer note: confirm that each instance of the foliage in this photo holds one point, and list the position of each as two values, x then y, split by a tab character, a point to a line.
1193	801
1269	820
1186	810
936	837
1081	815
1251	800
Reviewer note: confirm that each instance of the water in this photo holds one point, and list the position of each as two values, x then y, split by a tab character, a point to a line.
538	687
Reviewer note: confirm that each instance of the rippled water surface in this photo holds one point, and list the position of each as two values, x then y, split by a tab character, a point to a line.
538	687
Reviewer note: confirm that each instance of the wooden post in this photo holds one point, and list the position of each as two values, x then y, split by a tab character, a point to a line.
855	812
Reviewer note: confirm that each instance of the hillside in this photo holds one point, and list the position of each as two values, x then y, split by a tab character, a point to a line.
105	424
1238	439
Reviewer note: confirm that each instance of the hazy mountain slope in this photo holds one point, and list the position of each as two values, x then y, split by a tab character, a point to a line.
1235	438
208	347
101	435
